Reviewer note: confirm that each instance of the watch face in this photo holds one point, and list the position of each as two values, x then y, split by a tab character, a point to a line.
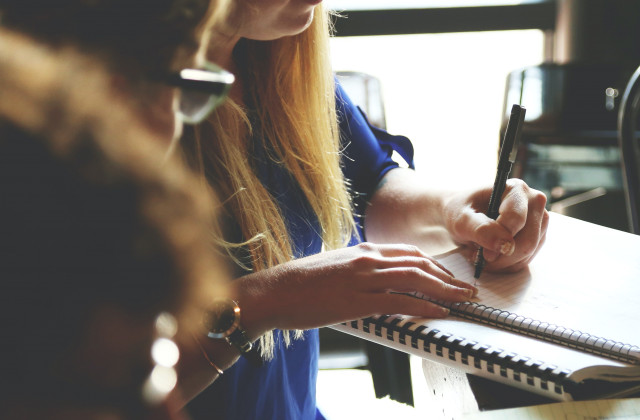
222	319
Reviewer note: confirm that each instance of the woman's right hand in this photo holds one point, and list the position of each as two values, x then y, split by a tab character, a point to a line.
346	284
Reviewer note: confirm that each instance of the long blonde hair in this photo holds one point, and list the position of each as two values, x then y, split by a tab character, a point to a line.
290	85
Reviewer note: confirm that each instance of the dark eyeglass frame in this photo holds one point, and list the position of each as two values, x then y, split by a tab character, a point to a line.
205	88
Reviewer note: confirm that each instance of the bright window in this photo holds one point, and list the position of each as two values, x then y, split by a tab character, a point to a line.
445	92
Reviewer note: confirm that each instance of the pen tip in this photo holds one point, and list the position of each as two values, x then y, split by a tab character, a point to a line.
478	263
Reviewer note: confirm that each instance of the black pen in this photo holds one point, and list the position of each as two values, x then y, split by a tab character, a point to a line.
505	162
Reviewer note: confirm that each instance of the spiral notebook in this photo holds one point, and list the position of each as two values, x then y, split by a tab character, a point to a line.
568	327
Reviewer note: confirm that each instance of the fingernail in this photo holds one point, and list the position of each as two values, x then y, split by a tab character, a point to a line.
468	292
507	248
444	311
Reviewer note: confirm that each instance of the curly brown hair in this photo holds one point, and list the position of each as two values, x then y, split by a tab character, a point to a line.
88	216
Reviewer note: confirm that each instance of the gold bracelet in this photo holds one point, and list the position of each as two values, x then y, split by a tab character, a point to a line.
206	356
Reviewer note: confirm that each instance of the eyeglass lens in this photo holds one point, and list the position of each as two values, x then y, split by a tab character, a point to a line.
196	106
202	90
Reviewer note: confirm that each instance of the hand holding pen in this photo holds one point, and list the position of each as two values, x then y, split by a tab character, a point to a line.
505	162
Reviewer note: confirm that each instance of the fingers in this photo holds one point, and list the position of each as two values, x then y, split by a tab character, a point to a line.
487	233
427	265
460	283
404	268
412	279
403	250
529	241
514	208
406	305
521	205
515	235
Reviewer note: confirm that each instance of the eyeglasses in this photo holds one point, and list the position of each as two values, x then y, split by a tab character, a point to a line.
201	90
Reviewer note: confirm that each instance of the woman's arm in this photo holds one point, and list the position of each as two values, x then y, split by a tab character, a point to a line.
326	289
405	209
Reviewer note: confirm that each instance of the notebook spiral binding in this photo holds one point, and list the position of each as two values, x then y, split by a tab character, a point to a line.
543	330
479	356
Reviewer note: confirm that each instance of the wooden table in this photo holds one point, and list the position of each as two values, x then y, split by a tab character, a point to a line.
453	393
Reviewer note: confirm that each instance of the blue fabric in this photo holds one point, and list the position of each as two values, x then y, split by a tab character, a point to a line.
285	387
368	153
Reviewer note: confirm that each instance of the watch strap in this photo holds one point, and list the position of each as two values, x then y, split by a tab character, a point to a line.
239	340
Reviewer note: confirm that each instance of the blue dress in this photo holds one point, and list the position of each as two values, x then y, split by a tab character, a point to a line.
285	387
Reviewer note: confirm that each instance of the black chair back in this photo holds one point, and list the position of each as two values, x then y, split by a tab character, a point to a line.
629	149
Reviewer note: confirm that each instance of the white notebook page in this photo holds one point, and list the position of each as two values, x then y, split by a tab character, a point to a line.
585	278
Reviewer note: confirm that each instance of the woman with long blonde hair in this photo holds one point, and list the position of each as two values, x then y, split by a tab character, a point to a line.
302	174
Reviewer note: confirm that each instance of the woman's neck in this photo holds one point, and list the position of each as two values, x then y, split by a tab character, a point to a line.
220	51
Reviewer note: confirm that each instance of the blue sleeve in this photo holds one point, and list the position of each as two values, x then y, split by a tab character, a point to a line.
367	151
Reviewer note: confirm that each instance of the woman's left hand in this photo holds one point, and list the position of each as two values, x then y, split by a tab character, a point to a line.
513	239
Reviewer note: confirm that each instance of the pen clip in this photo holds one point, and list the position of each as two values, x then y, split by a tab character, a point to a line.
509	148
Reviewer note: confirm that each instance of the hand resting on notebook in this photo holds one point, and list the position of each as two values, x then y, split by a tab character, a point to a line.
346	284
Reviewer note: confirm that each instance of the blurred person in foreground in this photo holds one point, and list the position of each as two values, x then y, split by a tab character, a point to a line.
106	246
105	254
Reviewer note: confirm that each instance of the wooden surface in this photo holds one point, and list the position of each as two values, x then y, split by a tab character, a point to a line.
449	395
453	394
